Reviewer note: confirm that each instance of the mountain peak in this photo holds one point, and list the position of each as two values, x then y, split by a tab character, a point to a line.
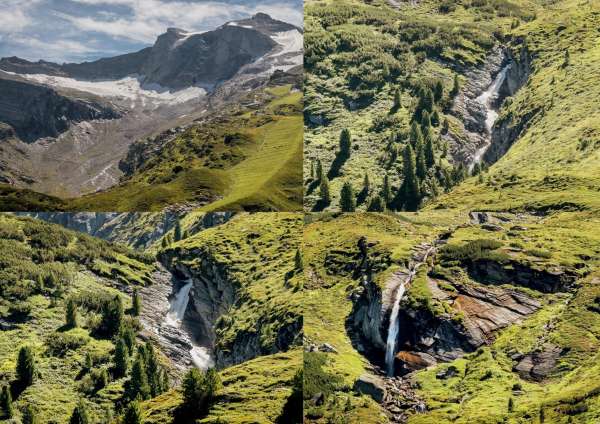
262	17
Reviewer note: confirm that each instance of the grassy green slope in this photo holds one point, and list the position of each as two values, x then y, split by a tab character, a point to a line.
554	164
43	265
359	53
259	170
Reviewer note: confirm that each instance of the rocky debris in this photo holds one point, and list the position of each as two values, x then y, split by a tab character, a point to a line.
326	347
492	227
470	112
371	385
539	364
35	111
174	342
401	401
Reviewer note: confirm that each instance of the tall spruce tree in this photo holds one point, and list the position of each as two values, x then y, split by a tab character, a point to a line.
429	152
138	383
455	87
25	367
6	402
345	142
112	317
324	190
136	303
386	191
366	185
410	186
347	198
438	91
397	100
421	164
71	314
416	135
120	358
319	170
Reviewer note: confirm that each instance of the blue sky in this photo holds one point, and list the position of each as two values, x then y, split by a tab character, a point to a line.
79	30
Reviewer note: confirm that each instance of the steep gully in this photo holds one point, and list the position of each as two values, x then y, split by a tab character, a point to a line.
484	137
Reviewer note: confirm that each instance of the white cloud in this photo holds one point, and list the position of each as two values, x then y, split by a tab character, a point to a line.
14	16
149	18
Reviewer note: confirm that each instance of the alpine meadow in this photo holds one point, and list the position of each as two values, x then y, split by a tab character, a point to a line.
462	139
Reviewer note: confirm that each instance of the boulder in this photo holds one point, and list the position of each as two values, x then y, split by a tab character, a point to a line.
371	385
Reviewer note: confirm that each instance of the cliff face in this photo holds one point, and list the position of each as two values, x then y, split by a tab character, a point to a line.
235	278
509	126
35	111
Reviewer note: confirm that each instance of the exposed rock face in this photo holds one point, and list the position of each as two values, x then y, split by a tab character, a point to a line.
213	293
35	111
539	364
178	59
544	280
174	342
509	128
371	385
470	111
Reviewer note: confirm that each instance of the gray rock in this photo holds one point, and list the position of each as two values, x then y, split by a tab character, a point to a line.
371	385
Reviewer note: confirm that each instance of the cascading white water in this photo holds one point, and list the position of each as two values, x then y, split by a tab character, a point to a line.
178	306
488	100
393	331
200	355
394	326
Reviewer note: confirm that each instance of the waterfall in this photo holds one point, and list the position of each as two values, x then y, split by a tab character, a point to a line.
393	329
394	326
179	305
488	99
200	355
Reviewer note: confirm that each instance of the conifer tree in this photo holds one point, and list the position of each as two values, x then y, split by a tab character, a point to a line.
71	314
429	152
136	302
128	335
416	135
438	91
164	242
298	265
324	190
345	142
120	358
421	164
138	383
567	60
29	416
88	362
319	170
366	185
80	415
133	413
455	87
193	390
410	186
153	369
386	191
435	118
112	317
6	402
397	100
25	367
347	198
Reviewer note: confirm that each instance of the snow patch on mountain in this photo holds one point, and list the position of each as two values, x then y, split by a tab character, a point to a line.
129	88
291	41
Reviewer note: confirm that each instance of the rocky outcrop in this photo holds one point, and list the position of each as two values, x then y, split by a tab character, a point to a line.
214	292
178	59
545	280
509	127
371	385
35	111
539	364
